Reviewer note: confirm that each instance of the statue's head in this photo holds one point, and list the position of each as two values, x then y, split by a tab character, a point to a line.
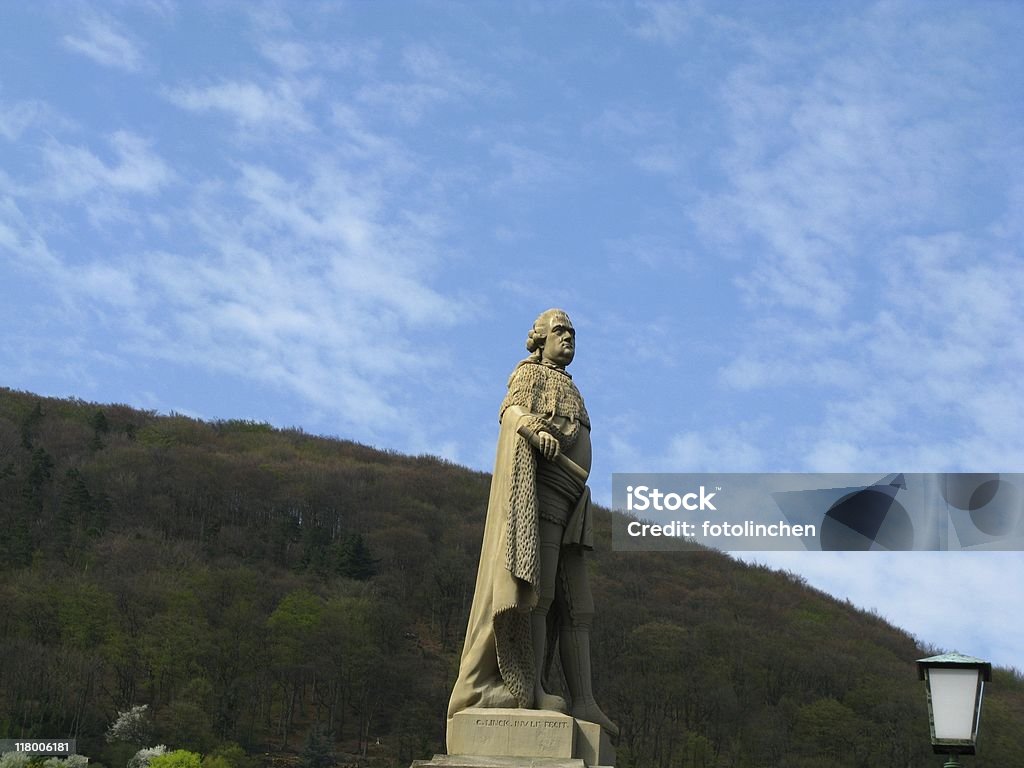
552	338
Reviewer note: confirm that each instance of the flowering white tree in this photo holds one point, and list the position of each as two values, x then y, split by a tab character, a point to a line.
22	759
71	761
14	759
131	726
143	756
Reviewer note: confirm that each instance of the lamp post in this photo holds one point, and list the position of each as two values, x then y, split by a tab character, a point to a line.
954	684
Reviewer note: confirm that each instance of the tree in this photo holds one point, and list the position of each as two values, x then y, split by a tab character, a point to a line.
179	758
317	752
131	726
99	425
229	755
75	510
71	761
145	756
29	424
354	558
187	720
14	760
39	473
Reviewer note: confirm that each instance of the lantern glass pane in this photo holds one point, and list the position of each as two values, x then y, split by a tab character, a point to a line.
953	692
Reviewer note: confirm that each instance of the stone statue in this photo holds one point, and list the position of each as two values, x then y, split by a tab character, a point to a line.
532	592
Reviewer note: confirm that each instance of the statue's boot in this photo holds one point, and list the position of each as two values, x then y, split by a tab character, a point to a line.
541	698
575	653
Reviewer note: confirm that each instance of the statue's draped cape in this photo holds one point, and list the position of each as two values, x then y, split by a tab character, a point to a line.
497	667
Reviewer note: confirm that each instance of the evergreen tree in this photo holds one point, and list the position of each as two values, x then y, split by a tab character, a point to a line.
99	425
317	752
354	558
75	508
29	424
39	473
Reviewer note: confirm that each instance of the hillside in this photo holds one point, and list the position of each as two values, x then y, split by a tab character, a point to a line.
247	583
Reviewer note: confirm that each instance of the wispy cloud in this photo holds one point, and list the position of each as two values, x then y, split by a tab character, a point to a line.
17	117
712	451
656	252
294	56
735	448
649	138
290	55
106	42
664	21
433	79
279	105
524	168
23	245
356	141
75	170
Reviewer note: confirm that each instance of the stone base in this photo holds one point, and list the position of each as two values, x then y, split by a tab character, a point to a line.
526	733
593	745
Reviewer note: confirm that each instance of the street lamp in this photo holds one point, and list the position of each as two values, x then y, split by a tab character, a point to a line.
954	684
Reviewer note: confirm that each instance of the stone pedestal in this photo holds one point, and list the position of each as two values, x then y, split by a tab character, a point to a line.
515	734
593	746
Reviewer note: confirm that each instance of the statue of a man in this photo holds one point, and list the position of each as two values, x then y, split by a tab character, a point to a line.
532	591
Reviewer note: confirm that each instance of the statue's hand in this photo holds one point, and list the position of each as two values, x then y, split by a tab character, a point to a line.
548	445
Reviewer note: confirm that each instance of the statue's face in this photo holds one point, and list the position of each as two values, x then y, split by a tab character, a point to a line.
560	345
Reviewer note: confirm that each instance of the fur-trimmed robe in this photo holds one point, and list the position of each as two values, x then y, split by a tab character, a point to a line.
497	667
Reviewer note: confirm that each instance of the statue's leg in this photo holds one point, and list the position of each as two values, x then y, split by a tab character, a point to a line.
574	639
550	546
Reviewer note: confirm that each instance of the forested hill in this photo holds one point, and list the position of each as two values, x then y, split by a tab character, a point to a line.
247	583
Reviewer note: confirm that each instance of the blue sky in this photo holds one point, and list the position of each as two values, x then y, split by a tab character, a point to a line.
789	234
